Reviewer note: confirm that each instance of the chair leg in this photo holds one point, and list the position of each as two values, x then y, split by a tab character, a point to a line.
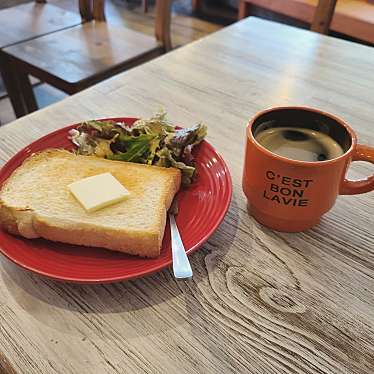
196	6
27	92
243	9
145	5
85	10
99	10
19	89
14	95
323	16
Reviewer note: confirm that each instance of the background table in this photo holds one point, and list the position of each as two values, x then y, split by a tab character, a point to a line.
260	301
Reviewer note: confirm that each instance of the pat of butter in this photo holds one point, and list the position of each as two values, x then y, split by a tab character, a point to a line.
98	191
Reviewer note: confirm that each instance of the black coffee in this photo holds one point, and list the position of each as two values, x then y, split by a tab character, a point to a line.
297	143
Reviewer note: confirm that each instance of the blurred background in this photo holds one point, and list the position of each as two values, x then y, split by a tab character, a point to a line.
190	20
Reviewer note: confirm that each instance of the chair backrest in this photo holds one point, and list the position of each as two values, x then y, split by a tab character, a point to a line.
162	23
323	16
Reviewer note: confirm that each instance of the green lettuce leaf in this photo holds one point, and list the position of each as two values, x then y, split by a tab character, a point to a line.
136	148
103	129
153	141
188	171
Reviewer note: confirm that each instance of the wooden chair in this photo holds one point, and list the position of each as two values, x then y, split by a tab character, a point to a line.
28	21
323	16
76	58
321	20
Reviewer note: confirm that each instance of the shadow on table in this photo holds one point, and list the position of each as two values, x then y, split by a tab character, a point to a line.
48	301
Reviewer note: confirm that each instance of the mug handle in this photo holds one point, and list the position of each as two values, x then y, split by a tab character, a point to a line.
348	187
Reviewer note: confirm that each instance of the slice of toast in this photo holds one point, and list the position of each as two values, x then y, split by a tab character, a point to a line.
36	202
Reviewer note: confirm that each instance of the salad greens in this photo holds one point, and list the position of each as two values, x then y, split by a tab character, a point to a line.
154	141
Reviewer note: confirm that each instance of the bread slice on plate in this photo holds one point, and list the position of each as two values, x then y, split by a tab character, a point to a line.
36	202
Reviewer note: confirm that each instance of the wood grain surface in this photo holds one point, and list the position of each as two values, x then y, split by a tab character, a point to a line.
28	21
260	301
80	52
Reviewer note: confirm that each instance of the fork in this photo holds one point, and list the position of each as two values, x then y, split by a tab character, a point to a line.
181	265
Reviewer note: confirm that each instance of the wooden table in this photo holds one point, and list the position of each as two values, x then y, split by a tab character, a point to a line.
260	301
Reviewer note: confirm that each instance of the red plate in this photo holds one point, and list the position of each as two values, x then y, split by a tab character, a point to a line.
202	207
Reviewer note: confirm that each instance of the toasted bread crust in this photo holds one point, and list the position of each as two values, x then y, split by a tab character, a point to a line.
27	221
141	244
8	220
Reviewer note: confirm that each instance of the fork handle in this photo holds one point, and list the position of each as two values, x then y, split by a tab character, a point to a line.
181	265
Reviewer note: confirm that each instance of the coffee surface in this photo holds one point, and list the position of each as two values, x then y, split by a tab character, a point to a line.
297	143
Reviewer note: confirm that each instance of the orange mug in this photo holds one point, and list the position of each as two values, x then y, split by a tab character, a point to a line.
289	195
